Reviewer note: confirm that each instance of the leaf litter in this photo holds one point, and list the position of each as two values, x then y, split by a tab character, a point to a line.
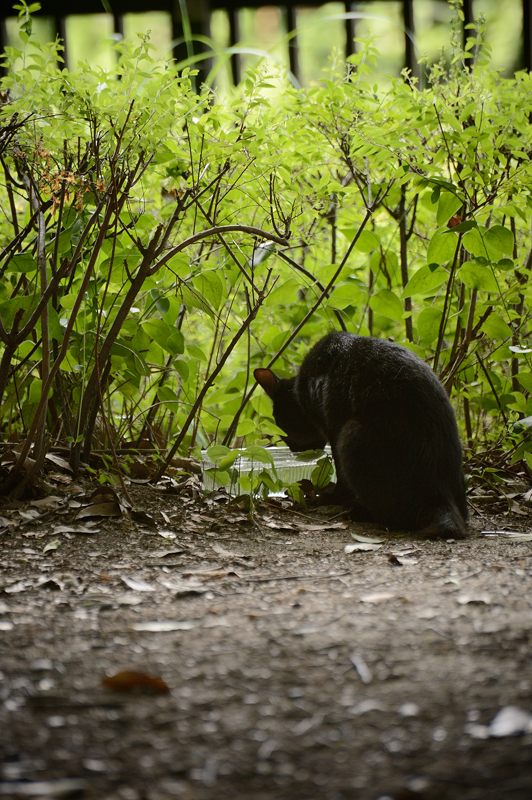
316	654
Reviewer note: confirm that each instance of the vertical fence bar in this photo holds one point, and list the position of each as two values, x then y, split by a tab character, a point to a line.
467	8
60	30
178	50
409	28
3	43
234	36
118	31
118	25
293	51
349	30
527	35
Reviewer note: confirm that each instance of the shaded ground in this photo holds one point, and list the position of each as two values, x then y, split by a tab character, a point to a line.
295	670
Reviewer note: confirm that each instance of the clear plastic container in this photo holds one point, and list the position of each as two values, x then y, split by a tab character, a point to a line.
289	467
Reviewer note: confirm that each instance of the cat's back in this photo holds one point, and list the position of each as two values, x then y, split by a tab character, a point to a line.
367	366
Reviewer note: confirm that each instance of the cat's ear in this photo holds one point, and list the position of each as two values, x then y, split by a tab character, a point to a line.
268	380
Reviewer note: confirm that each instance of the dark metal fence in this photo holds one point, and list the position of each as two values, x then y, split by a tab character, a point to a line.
198	14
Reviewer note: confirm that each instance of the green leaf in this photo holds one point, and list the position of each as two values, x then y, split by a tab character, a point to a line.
25	348
193	299
525	379
162	304
296	494
124	353
182	368
506	265
65	241
367	242
179	265
428	324
496	327
478	274
23	262
448	205
167	337
223	457
387	304
246	427
442	248
8	310
425	281
493	243
499	242
322	473
175	344
35	390
473	242
257	453
168	397
440	182
210	287
172	313
343	295
284	293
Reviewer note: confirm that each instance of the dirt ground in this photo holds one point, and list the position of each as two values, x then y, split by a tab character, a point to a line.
187	649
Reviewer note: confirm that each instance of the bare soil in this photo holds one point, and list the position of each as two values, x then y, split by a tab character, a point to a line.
262	660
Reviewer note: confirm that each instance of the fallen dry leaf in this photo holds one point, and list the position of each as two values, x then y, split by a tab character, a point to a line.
52	501
279	525
103	502
61	787
60	477
53	544
30	514
137	584
377	597
398	560
166	534
58	461
106	509
364	672
361	547
15	588
165	625
509	721
133	681
322	526
517	536
181	587
222	551
367	539
211	573
90	527
474	599
167	553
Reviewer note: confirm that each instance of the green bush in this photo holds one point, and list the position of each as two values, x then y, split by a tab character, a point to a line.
156	245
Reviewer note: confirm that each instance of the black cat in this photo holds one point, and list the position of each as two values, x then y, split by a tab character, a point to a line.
391	428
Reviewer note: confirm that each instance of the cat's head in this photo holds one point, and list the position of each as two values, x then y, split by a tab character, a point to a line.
301	433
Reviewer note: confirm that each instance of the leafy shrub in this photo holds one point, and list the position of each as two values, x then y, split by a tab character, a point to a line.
156	245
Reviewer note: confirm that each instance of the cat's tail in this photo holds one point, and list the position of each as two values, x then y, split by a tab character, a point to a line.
447	523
